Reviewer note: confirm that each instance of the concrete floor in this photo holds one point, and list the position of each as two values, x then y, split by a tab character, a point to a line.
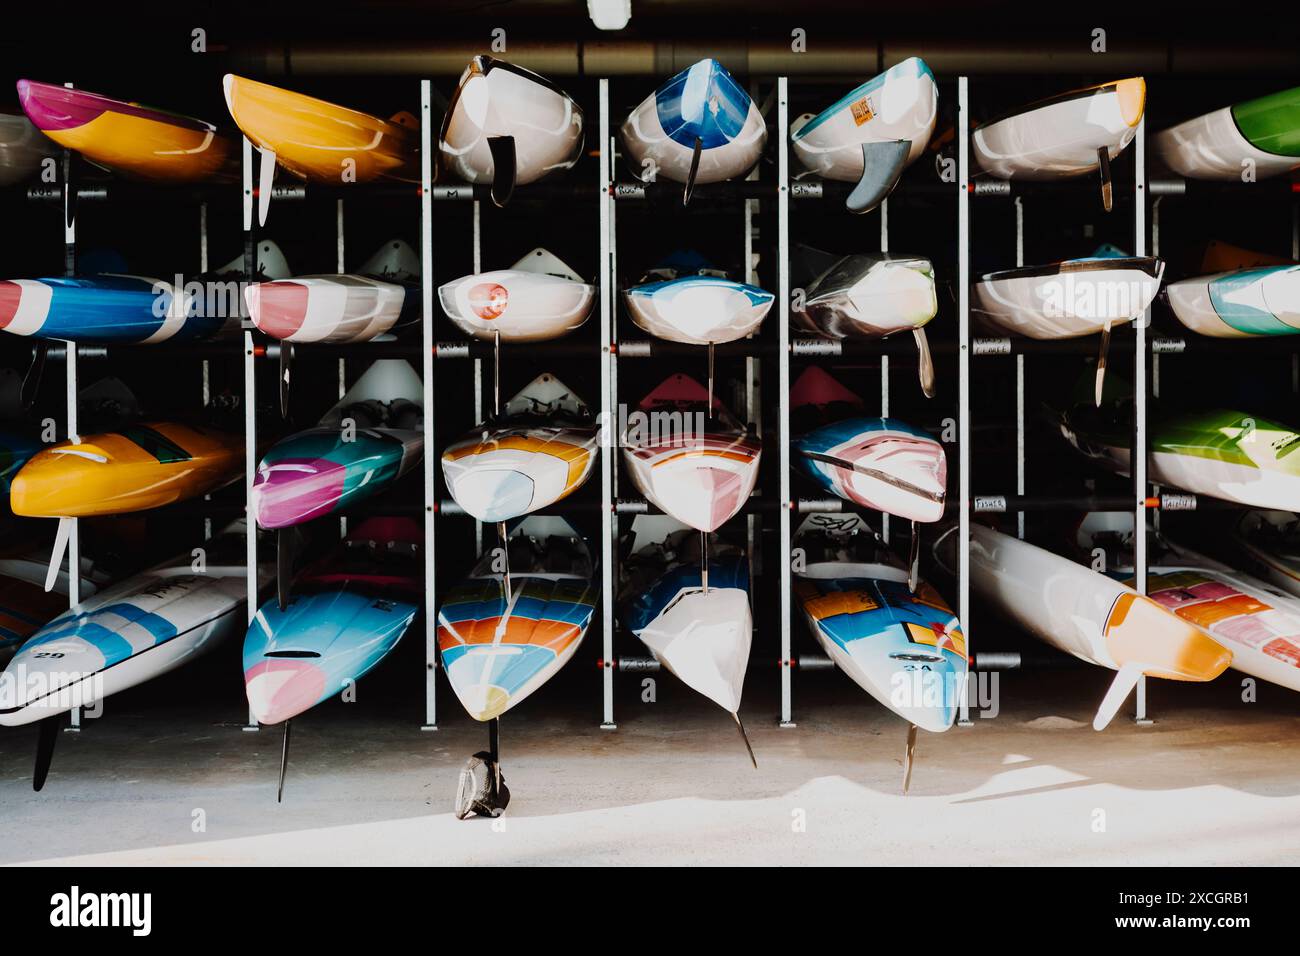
1213	781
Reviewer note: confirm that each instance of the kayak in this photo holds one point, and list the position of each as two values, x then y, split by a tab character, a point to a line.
1240	304
508	126
135	468
320	141
537	298
1272	540
906	649
25	605
106	308
346	614
500	641
872	133
698	127
1251	140
382	295
372	437
542	449
700	634
879	463
697	464
1087	614
129	138
686	300
131	632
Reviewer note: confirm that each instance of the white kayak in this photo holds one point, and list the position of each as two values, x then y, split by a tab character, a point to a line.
1245	142
356	307
508	126
537	298
1242	303
698	127
697	307
1087	614
872	133
131	632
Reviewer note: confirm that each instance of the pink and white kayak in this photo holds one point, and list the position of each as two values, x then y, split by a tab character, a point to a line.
694	463
537	298
383	294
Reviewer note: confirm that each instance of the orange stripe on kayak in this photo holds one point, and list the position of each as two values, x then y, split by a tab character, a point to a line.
565	451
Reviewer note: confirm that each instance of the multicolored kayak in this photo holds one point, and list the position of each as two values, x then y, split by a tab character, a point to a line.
1087	614
1252	140
870	296
346	614
537	298
130	632
507	126
1064	136
906	649
127	137
879	463
22	149
684	299
132	309
695	463
319	141
698	127
540	450
872	133
140	466
382	295
25	605
502	640
1220	453
1259	624
372	437
1240	304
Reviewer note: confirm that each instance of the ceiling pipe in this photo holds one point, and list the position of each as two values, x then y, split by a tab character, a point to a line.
620	57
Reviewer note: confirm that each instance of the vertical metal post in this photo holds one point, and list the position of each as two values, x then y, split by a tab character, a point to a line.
753	408
250	409
963	374
610	438
426	373
884	359
1020	381
1139	461
783	381
70	388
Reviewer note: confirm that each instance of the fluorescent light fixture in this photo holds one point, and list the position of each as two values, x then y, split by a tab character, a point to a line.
610	14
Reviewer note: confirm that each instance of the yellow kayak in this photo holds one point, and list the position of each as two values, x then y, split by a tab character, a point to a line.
139	467
315	139
127	137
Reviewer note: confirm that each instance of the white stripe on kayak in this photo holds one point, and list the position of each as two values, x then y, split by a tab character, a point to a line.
33	307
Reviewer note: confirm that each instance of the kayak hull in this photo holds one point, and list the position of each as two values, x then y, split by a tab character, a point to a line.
518	305
698	310
1243	303
331	309
869	296
1253	140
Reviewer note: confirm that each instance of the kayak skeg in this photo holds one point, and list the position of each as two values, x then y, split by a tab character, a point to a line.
1259	137
1258	623
372	437
1220	453
138	467
906	649
1087	614
508	126
129	138
537	298
685	300
698	127
872	133
383	294
542	449
699	630
346	614
131	632
320	141
500	641
132	309
879	463
693	462
1239	304
23	148
872	296
1061	136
